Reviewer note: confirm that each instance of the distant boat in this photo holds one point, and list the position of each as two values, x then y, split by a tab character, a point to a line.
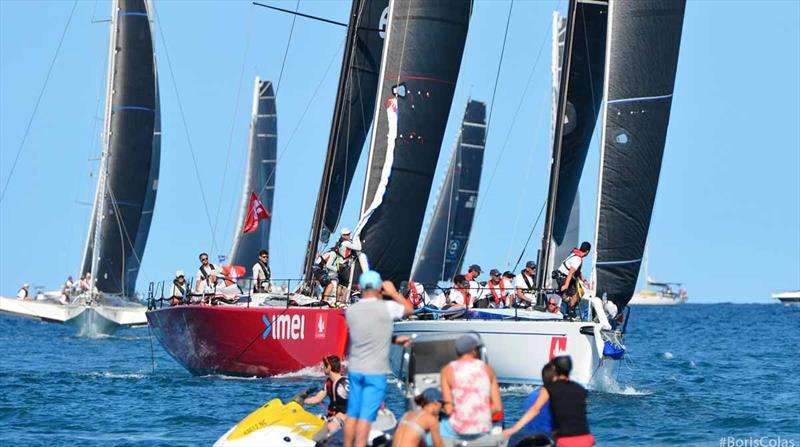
788	298
126	190
660	293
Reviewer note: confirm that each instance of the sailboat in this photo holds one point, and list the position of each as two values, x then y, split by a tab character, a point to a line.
273	333
442	252
663	295
126	190
604	46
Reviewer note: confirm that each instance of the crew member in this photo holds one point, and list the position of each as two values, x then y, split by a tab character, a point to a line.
567	406
23	293
473	272
459	297
204	273
524	284
370	322
262	275
86	282
497	290
336	263
568	274
344	235
337	389
179	291
415	293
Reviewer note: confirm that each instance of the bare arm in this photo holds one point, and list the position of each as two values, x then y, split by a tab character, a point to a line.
530	414
315	399
447	392
390	291
436	437
496	401
569	278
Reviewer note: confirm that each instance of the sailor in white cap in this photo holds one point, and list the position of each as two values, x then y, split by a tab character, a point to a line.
23	292
178	294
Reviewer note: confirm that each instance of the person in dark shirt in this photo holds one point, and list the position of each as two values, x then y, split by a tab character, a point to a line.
567	406
543	422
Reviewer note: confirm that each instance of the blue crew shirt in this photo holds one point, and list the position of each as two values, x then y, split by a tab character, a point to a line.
543	422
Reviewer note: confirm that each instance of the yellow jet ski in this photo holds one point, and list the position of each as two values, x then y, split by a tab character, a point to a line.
274	424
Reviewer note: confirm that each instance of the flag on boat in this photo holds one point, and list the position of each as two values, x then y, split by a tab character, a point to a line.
222	258
232	273
255	213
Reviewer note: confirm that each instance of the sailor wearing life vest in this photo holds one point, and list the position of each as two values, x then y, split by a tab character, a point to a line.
568	274
497	290
524	283
23	292
337	264
179	291
204	273
337	390
459	297
415	293
261	273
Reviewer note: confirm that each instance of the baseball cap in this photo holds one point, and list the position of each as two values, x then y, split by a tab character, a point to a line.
370	280
530	264
476	267
467	343
432	395
345	231
494	272
179	273
508	274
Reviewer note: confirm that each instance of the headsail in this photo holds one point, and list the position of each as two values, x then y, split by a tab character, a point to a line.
129	175
644	40
260	175
421	60
584	97
352	117
442	253
576	109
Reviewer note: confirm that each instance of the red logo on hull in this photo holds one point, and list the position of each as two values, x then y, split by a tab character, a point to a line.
319	326
558	346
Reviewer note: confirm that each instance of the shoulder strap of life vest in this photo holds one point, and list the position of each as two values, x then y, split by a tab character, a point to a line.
265	269
571	255
497	298
527	283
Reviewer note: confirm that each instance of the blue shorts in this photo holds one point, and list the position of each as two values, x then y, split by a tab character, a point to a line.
366	395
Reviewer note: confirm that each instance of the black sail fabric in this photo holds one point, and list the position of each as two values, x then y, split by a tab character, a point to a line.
644	42
130	169
584	97
358	106
421	61
259	177
442	252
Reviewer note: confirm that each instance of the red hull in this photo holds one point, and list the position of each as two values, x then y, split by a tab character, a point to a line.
257	341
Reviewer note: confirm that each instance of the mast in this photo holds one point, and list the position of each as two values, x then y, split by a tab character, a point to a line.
555	162
361	58
421	60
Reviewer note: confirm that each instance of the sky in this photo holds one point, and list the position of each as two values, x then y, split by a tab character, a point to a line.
727	214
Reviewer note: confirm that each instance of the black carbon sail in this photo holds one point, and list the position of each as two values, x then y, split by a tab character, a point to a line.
129	173
352	117
421	60
575	117
584	97
442	252
259	177
644	41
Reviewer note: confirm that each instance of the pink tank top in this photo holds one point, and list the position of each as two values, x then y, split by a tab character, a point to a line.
472	409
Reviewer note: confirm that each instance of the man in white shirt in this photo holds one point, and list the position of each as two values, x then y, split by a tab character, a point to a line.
497	290
23	292
415	293
203	273
473	285
261	273
524	283
568	274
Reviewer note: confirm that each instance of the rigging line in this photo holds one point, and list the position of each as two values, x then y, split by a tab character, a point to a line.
589	62
513	120
525	247
497	74
186	131
38	101
286	51
233	123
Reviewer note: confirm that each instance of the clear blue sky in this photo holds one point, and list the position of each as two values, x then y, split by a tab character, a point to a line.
727	215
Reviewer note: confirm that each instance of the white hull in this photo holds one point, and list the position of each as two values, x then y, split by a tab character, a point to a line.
517	350
91	320
788	298
655	300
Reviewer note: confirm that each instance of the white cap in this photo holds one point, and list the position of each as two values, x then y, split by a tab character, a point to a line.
344	231
179	273
26	285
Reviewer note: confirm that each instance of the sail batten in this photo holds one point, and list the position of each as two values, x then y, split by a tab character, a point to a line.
445	243
643	33
421	60
259	176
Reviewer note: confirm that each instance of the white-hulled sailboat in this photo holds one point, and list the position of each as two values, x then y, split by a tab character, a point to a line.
126	190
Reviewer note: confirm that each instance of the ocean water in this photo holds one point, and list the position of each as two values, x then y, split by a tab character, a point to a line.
694	375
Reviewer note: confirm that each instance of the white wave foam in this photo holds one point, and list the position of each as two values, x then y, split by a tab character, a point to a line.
517	390
668	355
310	371
111	375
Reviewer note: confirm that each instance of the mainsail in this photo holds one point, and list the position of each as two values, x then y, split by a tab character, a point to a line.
129	173
445	244
644	40
259	176
578	94
421	60
352	117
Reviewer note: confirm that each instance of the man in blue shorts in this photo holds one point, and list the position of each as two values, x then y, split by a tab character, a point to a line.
369	322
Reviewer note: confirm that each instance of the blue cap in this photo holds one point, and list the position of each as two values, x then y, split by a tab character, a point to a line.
467	343
370	280
432	395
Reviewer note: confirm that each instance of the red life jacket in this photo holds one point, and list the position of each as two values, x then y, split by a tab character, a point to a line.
415	299
467	296
497	298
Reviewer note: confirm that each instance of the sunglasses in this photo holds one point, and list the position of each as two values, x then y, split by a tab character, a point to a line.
203	259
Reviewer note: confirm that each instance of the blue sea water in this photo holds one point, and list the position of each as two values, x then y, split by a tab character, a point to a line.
694	374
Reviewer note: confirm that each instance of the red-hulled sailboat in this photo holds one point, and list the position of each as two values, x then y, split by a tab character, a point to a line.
266	336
